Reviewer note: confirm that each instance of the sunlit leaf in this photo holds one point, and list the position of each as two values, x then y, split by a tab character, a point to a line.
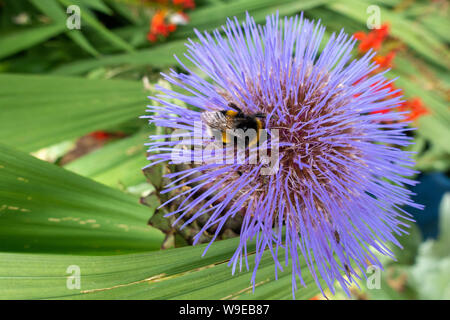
169	274
44	208
17	41
117	164
38	111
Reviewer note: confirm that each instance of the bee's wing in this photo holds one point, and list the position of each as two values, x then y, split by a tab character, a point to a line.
216	120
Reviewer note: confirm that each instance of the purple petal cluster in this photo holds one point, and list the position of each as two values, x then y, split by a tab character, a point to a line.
339	192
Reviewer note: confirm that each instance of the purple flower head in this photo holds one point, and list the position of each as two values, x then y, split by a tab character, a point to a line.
335	192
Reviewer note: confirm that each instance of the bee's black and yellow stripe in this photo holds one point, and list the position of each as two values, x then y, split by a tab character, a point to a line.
238	120
231	113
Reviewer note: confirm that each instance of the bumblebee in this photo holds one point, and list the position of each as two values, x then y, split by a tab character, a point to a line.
229	121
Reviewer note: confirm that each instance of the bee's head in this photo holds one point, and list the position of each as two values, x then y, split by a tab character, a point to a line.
233	106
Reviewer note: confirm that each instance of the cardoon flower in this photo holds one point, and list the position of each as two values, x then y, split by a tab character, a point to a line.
337	190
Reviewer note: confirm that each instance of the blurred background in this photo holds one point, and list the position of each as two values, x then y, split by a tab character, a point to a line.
74	76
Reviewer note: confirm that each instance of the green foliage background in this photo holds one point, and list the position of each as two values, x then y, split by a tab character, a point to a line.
57	85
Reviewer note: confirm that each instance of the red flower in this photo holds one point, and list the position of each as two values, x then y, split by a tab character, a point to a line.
185	4
159	27
391	88
416	108
101	135
373	39
385	62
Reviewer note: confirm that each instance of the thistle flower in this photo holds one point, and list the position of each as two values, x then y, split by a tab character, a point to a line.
339	191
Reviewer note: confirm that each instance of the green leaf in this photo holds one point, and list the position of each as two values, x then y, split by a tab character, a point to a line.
439	25
38	111
435	126
169	274
160	56
410	244
433	159
436	131
44	208
118	164
20	40
53	10
210	17
124	10
414	88
98	5
91	20
206	18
